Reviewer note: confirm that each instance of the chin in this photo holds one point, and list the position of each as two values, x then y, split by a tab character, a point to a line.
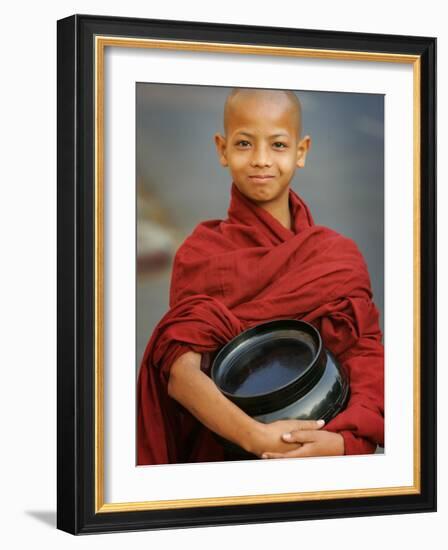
264	195
257	197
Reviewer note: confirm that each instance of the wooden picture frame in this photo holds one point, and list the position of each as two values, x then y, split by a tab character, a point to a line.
82	74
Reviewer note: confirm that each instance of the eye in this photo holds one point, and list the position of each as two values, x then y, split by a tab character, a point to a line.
243	143
280	145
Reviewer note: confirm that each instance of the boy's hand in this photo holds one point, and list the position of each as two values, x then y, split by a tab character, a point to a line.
269	437
312	443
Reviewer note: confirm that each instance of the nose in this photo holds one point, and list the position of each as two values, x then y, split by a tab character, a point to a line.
260	157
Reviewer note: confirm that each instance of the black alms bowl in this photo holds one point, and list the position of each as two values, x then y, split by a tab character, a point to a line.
280	370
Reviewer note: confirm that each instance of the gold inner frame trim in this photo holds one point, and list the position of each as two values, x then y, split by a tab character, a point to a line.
417	270
255	499
101	42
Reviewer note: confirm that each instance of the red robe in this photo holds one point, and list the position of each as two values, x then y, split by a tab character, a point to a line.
232	274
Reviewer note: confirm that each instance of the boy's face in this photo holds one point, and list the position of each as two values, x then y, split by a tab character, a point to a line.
262	147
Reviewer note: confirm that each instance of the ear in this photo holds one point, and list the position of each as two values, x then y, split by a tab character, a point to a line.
303	147
220	143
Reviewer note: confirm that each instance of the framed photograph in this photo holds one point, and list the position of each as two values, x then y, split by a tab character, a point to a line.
230	197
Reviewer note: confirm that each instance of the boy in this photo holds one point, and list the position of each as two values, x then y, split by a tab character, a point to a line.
266	261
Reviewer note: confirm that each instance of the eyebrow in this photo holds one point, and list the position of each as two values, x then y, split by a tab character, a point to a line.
252	135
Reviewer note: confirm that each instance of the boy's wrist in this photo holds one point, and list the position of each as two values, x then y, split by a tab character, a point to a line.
255	442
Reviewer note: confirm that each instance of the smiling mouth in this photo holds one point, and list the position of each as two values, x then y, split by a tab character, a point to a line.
260	178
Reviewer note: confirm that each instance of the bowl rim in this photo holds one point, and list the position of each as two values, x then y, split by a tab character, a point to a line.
267	326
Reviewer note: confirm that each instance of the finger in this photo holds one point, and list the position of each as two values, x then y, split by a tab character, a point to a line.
301	436
311	424
308	425
300	452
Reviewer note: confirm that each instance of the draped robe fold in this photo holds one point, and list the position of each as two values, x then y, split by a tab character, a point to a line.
232	274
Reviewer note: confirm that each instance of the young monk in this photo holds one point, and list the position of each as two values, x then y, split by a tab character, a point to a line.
267	260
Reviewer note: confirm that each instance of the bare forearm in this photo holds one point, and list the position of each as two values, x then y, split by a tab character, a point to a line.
197	392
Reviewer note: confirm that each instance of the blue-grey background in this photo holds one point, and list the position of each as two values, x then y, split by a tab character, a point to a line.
180	181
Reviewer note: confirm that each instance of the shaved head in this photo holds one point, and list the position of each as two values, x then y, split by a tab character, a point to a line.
262	146
282	98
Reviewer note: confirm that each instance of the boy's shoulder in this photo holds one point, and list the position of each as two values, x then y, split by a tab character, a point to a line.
204	235
211	236
330	233
334	240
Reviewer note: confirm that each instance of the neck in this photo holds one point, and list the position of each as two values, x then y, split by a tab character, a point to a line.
279	210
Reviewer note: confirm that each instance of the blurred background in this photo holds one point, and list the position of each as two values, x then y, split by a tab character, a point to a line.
181	183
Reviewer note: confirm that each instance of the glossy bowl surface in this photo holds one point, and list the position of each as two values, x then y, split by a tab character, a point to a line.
280	370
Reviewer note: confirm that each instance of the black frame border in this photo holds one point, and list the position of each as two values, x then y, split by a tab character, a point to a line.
75	275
